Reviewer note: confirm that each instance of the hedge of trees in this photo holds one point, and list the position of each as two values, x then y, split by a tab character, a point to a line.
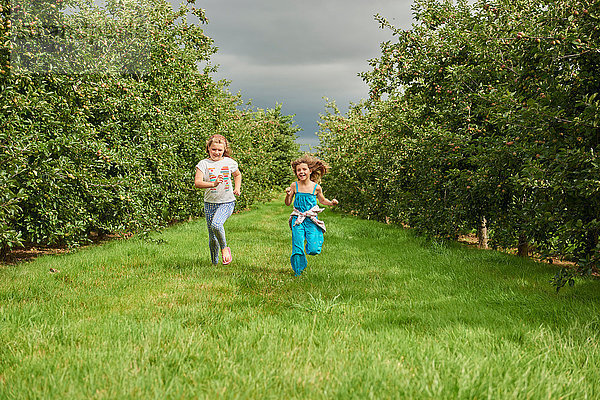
105	113
483	117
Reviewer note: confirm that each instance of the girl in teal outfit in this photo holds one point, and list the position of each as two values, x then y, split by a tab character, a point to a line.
307	229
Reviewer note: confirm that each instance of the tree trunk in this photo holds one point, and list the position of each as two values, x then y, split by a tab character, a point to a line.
592	241
482	233
523	248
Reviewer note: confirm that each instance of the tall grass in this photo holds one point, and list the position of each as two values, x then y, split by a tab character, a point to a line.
379	314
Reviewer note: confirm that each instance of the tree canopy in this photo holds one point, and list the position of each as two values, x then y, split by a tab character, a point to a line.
484	112
105	113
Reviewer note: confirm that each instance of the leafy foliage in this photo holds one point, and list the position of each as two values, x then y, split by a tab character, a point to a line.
482	111
105	114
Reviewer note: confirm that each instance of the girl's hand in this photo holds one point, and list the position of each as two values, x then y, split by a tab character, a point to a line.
334	202
289	194
237	192
219	180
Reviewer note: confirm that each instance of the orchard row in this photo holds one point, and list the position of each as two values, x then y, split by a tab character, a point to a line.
484	118
103	136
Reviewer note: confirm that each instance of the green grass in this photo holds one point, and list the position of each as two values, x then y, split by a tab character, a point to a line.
379	314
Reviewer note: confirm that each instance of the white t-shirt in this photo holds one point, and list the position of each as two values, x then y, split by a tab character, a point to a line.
211	169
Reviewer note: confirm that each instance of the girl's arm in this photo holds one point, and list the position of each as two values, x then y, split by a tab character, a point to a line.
289	194
237	180
322	199
199	181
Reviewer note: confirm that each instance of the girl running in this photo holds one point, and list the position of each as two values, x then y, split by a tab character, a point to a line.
307	229
215	174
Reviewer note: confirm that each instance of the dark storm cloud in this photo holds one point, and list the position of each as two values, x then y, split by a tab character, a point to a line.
296	52
299	32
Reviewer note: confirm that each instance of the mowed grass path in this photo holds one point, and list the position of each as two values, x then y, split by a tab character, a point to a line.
379	314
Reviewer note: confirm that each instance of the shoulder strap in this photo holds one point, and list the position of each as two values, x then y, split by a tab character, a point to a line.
315	188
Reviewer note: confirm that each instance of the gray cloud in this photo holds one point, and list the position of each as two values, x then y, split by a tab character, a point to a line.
297	52
295	32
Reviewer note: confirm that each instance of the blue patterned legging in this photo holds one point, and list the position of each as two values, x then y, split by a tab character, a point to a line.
216	215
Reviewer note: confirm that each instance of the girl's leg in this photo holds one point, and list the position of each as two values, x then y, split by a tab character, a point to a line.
298	258
314	239
222	212
213	244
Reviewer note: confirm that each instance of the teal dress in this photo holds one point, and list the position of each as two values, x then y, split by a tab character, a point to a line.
307	238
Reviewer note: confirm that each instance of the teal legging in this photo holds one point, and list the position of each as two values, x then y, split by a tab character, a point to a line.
306	232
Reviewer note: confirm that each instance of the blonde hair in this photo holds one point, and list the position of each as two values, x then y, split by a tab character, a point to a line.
219	139
317	167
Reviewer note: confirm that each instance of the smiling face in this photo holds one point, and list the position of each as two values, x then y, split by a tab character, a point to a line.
216	150
302	172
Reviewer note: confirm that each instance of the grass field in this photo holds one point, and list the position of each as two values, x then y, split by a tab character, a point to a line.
379	314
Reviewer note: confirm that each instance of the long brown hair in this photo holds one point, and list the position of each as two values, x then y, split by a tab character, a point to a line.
219	139
317	167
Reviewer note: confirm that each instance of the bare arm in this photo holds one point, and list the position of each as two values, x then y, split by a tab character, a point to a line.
237	180
200	183
322	199
289	194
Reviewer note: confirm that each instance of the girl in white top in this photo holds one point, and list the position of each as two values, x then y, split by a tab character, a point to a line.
215	175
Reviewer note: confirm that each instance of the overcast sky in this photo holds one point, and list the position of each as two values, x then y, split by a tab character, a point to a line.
296	52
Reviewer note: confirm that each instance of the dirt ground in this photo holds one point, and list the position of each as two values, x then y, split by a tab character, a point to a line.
25	254
30	252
